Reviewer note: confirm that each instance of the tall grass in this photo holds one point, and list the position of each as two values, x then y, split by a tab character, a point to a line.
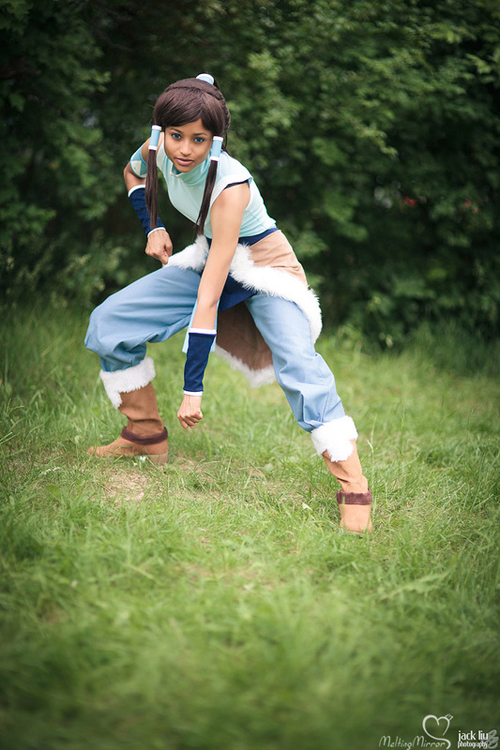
213	603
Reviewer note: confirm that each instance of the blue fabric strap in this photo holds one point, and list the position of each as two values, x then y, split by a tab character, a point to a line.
137	197
233	293
196	361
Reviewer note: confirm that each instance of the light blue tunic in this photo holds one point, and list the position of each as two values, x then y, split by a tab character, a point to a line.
185	190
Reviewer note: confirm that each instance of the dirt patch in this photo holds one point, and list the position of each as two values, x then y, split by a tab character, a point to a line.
123	481
125	485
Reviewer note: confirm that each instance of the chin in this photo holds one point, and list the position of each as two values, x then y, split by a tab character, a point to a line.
185	167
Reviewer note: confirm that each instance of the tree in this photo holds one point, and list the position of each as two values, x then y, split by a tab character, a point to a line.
385	161
372	130
51	147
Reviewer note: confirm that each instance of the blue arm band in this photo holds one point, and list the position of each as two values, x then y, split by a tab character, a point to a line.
137	197
196	361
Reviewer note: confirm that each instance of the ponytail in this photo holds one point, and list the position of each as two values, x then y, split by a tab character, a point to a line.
152	178
215	153
207	194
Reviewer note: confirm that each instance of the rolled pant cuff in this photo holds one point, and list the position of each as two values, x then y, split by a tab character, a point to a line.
335	438
126	381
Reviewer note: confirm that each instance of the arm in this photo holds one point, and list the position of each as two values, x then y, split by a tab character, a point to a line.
131	179
159	244
226	215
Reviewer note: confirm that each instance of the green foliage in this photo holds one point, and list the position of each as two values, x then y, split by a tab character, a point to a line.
372	130
51	149
400	104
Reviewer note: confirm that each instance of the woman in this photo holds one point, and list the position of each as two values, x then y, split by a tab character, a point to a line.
239	285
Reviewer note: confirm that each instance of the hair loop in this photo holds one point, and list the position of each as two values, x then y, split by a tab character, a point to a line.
206	77
155	137
216	149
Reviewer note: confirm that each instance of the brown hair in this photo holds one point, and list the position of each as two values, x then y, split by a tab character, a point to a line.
181	103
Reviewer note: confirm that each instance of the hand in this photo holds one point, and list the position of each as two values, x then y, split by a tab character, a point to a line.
159	246
190	412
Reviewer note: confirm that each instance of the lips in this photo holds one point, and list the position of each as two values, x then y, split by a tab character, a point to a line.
184	162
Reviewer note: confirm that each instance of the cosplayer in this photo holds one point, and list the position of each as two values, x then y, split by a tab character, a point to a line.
238	289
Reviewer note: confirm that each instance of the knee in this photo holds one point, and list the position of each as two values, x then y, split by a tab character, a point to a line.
97	329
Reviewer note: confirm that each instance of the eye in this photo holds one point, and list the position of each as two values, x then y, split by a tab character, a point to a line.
199	139
175	136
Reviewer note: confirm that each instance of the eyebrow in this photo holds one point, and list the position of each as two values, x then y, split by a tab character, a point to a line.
173	127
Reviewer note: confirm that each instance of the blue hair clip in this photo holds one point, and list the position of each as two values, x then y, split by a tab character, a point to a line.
155	137
206	77
216	149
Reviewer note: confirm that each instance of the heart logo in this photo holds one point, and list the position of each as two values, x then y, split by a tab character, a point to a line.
436	728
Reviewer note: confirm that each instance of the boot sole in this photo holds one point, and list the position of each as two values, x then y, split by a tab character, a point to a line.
160	460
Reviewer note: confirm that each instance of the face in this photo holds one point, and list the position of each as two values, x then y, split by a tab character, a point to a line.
187	145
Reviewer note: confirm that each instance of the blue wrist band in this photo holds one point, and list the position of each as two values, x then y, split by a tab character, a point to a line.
137	197
196	360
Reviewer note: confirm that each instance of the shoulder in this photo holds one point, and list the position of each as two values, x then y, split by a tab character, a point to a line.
228	166
236	197
229	171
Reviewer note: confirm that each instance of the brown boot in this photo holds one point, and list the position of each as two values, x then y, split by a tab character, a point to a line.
144	434
354	498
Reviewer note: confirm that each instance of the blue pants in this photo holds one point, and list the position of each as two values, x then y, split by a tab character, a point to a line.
160	304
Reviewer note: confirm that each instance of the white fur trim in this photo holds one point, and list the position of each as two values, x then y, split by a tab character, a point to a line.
126	381
263	279
192	257
256	378
335	437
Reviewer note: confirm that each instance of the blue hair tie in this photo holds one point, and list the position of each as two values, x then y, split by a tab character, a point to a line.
155	137
216	149
206	77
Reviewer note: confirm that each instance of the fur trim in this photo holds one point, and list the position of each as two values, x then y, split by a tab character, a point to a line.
126	381
265	279
193	257
256	378
335	437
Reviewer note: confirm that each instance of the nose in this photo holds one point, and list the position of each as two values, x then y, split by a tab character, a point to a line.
185	148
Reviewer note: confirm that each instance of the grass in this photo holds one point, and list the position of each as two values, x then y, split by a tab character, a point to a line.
213	603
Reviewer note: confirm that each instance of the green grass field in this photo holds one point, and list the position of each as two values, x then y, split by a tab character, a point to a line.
213	604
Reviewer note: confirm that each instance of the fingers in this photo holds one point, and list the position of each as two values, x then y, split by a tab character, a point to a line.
190	413
189	420
163	256
160	254
159	246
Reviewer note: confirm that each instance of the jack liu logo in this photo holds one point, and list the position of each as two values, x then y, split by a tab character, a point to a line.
478	739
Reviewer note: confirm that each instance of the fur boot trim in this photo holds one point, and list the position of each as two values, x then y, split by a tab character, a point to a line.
263	279
335	437
126	381
255	378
